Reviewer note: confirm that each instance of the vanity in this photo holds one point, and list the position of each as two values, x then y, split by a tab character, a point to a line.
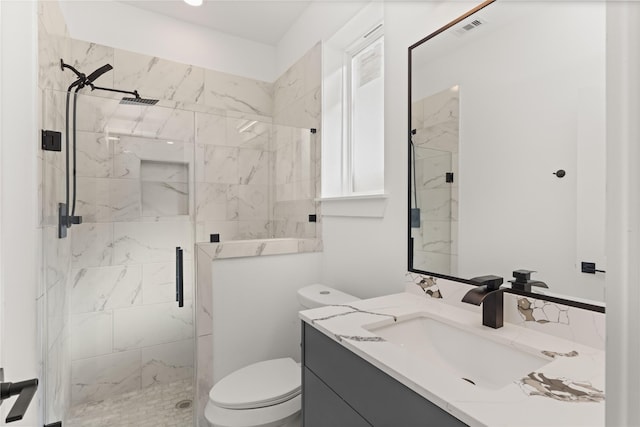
410	360
342	389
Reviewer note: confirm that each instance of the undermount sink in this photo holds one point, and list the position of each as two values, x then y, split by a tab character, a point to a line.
466	355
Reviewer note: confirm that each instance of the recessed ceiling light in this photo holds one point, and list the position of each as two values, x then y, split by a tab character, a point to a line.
193	2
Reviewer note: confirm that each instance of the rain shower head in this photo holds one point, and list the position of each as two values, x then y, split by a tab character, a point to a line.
138	101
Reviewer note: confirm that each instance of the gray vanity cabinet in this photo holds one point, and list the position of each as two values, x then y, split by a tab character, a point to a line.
340	389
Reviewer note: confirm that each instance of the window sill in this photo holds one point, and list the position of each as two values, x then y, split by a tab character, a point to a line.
363	206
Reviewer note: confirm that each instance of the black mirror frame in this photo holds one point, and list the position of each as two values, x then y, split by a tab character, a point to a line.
550	298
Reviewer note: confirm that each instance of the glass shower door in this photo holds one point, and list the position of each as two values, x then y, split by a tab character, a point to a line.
119	351
435	195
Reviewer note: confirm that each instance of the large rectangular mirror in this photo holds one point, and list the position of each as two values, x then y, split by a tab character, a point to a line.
507	146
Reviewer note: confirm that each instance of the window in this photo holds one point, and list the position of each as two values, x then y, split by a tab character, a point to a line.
353	109
365	117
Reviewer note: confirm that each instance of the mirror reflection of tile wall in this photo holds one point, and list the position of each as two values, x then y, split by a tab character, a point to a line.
436	122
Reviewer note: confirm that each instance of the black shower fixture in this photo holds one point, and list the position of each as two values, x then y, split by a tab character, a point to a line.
67	218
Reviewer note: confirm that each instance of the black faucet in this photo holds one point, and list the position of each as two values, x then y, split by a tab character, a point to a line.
25	390
523	281
491	296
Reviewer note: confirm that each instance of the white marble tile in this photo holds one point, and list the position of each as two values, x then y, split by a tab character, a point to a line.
312	63
91	334
57	379
211	129
152	122
205	375
289	87
260	229
57	307
436	236
236	93
417	115
158	78
50	49
165	198
149	325
284	164
124	199
91	244
87	57
104	288
94	113
56	257
53	193
95	378
53	118
431	171
454	237
216	202
441	107
159	282
52	19
431	261
304	112
164	171
253	202
95	155
148	242
220	164
167	363
130	152
442	136
204	300
228	230
248	133
92	201
253	166
435	204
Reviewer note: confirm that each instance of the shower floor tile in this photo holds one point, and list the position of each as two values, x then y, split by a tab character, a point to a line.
152	406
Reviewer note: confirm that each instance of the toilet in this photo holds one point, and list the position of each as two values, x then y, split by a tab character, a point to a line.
267	393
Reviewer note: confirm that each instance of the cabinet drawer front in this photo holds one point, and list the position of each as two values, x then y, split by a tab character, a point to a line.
380	399
324	408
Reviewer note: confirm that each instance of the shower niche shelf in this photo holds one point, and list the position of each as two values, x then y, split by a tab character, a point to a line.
164	188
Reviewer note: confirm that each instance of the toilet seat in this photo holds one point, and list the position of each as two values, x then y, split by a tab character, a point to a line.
259	385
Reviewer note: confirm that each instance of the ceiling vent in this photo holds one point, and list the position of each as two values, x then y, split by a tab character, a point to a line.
470	26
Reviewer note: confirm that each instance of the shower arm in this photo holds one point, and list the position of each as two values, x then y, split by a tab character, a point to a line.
94	87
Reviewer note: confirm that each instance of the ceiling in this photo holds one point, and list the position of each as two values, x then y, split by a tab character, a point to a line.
264	21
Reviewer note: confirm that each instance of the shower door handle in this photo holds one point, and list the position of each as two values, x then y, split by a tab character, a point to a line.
179	277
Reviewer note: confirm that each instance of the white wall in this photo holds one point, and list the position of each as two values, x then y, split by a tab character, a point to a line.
255	308
623	214
127	27
19	260
318	22
368	256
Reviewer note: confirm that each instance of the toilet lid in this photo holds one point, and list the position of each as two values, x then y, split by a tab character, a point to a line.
256	386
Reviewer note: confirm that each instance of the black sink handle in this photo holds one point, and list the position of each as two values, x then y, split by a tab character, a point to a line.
25	391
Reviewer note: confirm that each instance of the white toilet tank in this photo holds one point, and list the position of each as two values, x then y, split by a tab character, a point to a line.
318	295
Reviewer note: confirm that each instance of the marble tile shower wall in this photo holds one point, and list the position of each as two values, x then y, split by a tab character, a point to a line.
436	121
296	110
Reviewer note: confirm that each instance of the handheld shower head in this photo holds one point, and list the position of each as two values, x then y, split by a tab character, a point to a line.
97	73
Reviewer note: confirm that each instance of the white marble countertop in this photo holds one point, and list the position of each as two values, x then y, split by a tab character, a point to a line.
578	401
